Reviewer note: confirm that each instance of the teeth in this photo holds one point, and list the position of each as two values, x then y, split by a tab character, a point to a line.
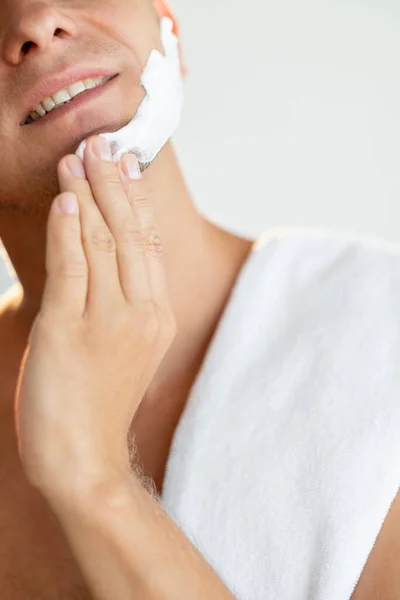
76	88
89	83
63	96
40	110
48	104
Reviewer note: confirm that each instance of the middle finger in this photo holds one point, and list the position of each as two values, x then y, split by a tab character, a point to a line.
112	199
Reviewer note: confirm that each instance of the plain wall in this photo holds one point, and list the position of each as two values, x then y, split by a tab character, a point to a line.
292	113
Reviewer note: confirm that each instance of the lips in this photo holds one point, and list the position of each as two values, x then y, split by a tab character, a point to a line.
77	105
54	83
29	121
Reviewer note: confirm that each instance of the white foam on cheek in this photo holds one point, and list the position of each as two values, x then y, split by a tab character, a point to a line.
160	111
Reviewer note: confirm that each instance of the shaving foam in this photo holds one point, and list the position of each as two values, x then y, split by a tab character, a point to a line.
160	111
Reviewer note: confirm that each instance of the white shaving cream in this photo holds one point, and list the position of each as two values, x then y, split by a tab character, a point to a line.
159	112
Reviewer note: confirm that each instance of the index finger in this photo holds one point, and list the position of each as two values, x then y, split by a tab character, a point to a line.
67	270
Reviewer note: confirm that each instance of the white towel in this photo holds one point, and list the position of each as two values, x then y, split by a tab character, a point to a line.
287	456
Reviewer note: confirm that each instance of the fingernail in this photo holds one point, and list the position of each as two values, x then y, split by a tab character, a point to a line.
101	148
75	165
68	204
130	166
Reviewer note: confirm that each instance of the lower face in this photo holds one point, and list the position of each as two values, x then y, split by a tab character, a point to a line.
115	34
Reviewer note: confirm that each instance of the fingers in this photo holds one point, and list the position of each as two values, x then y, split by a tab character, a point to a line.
142	210
98	243
119	231
112	200
67	270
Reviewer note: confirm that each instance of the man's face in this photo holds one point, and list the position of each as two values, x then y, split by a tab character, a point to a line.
39	39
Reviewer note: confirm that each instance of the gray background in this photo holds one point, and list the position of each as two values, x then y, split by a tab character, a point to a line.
292	113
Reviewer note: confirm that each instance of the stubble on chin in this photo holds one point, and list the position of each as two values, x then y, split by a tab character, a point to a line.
35	196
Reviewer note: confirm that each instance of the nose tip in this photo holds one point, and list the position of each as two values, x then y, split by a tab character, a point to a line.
33	28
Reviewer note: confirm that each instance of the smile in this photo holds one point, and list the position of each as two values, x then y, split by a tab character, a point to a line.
65	97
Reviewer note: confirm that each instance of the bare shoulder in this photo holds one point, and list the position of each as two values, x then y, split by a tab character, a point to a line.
381	575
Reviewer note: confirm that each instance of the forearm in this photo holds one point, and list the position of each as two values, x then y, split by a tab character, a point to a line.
129	548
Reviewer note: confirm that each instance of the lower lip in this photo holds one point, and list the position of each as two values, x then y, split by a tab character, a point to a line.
77	102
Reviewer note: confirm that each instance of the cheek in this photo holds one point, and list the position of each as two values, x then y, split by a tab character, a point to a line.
135	25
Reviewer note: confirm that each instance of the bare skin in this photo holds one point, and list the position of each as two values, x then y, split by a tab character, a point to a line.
37	560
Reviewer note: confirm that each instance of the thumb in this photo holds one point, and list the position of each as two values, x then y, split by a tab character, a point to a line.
66	265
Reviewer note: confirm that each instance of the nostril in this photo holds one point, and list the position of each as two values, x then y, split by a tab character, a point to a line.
26	47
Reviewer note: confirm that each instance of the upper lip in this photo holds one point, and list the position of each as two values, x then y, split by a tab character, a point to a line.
51	84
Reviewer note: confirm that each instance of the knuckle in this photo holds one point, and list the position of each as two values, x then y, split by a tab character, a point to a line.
139	201
112	180
72	268
102	239
152	242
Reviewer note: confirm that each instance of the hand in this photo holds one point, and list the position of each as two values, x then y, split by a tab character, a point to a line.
104	326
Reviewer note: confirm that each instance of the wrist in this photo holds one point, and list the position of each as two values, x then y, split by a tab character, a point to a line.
82	489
